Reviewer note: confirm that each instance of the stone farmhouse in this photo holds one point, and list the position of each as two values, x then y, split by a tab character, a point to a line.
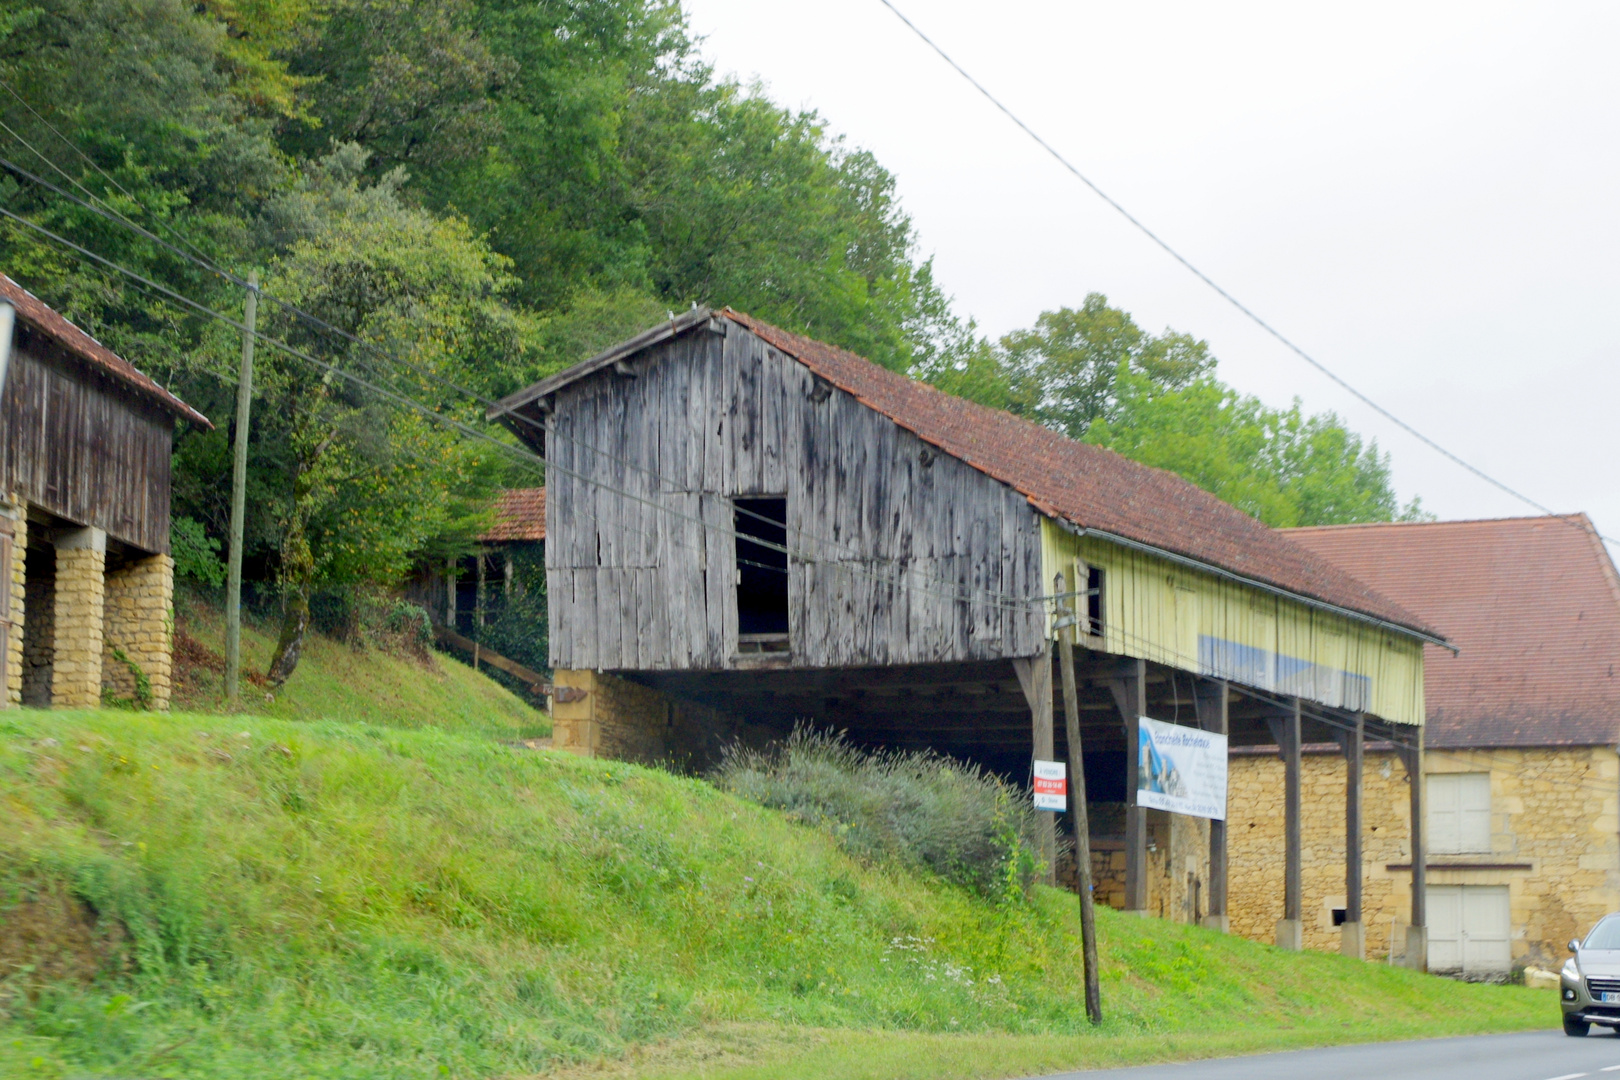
746	529
1520	765
87	584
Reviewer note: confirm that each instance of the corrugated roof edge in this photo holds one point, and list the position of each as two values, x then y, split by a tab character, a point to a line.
48	321
700	317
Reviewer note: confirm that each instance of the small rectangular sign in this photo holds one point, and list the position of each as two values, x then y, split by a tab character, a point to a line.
1181	769
1051	785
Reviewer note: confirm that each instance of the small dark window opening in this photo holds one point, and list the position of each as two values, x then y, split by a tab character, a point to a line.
1094	600
1338	916
762	578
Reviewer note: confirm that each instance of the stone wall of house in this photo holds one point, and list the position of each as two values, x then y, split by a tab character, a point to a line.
1555	842
139	624
616	718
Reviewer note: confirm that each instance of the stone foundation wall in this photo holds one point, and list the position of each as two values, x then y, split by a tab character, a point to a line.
80	615
38	628
1178	862
139	623
13	643
623	720
1554	812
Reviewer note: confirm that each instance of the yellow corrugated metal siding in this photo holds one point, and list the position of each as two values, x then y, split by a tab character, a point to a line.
1174	615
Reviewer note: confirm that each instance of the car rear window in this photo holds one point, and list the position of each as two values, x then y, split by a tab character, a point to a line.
1605	935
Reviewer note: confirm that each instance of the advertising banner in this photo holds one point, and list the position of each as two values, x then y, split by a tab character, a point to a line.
1051	785
1181	769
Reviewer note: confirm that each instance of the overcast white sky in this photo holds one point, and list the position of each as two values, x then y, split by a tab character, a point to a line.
1424	196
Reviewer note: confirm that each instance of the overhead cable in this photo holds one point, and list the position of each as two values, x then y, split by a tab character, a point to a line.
1192	268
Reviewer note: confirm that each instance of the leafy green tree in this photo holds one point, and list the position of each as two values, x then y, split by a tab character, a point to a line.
1279	465
1063	371
1092	373
362	483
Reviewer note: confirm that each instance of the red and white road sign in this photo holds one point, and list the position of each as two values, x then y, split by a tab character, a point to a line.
1051	785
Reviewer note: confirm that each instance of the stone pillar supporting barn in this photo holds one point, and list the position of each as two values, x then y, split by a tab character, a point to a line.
747	529
88	582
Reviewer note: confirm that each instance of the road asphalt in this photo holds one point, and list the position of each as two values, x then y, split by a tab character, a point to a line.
1534	1055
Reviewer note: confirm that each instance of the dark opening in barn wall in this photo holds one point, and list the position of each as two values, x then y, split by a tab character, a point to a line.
39	625
762	573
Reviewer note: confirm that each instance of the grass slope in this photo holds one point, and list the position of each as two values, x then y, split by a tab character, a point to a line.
336	682
263	898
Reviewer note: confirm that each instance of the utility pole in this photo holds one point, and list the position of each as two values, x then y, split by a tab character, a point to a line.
233	581
1077	792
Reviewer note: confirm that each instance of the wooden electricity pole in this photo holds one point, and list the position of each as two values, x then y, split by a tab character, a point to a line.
233	581
1077	795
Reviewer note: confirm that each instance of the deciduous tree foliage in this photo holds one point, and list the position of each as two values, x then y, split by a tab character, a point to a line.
1094	374
489	190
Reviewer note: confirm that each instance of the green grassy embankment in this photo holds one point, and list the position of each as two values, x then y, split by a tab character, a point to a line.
250	897
334	681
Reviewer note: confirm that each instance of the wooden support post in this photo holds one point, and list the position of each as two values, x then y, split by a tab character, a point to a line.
1211	699
1035	676
1130	695
1353	933
1291	927
481	595
1082	821
239	462
1417	933
451	574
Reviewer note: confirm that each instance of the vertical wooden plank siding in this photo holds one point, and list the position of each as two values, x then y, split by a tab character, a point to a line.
900	554
1174	615
76	445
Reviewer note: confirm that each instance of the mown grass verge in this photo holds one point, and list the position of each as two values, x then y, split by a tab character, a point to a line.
249	897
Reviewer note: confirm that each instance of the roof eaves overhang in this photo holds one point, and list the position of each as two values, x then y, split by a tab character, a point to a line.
503	409
1256	583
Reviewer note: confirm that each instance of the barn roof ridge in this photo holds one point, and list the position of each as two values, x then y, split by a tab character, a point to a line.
62	330
1090	488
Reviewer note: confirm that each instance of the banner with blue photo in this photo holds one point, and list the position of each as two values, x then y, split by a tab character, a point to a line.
1181	769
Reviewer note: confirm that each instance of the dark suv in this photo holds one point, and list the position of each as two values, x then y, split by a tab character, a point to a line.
1589	989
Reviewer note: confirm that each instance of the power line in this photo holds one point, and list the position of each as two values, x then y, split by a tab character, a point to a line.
529	459
112	215
1207	280
962	594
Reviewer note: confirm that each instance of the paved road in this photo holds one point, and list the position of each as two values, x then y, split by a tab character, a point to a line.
1536	1055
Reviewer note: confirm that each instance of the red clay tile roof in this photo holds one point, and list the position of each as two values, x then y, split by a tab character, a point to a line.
1534	604
32	310
1089	486
520	514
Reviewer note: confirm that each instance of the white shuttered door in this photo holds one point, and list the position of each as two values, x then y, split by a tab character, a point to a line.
1469	929
1459	813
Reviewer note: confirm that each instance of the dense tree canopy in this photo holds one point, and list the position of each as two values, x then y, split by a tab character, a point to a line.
1094	374
474	193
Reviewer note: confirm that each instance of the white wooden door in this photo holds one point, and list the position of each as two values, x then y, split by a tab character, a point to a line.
1445	928
1469	929
1486	931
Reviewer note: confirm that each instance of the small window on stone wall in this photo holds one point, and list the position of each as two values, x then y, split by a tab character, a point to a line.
1339	914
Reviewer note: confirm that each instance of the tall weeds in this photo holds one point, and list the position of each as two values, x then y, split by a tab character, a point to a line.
917	808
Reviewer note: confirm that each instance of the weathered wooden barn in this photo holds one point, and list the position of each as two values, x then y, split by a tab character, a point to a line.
85	444
748	528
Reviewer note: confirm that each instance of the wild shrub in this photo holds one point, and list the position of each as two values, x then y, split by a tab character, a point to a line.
920	809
